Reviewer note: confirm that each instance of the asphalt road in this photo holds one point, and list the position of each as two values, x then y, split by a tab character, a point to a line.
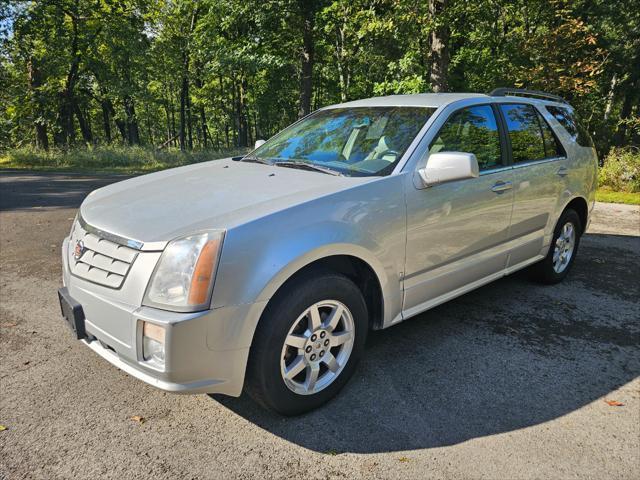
506	382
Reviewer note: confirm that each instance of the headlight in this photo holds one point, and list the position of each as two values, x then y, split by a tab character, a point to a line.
183	278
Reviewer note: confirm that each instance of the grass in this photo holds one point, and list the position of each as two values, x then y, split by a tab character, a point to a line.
107	159
609	196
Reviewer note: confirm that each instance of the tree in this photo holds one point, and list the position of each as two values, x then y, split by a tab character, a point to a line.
439	39
196	74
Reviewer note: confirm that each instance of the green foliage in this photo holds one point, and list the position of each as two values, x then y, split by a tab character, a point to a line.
621	170
203	74
128	159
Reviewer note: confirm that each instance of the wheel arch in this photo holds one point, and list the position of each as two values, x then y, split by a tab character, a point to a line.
365	272
581	207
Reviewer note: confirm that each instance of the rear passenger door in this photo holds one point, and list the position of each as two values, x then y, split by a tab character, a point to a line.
539	170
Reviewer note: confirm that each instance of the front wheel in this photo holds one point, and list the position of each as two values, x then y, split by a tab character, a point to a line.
308	343
563	250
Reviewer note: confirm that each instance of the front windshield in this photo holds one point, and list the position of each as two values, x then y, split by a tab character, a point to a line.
361	141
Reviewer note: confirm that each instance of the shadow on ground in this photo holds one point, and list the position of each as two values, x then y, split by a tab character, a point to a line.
20	191
510	355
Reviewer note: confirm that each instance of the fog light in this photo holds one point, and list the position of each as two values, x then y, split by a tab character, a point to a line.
153	343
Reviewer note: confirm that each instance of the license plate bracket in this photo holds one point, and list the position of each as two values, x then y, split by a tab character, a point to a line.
72	313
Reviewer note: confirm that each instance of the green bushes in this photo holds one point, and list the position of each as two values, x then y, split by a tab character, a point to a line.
621	170
107	158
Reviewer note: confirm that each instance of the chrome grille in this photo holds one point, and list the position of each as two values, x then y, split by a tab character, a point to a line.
102	261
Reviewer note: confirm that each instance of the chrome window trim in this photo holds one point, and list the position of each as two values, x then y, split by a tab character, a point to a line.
503	168
536	162
112	237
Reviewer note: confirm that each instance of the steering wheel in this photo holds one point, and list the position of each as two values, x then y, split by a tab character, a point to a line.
381	155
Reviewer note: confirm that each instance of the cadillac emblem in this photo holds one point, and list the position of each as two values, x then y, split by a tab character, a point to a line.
78	250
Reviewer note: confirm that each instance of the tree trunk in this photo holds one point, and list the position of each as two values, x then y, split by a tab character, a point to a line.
630	99
202	117
236	112
174	135
131	121
243	140
189	123
151	140
185	101
257	130
610	96
122	128
223	108
204	128
343	67
106	121
65	135
307	10
35	81
168	119
42	140
85	126
439	47
184	92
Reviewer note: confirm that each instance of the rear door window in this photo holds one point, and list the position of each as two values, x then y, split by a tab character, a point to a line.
552	147
525	134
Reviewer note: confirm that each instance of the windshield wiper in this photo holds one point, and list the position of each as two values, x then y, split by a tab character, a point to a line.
253	159
307	166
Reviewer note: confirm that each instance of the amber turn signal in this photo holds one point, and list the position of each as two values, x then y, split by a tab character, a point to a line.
203	273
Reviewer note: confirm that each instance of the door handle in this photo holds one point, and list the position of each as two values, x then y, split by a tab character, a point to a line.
501	187
563	171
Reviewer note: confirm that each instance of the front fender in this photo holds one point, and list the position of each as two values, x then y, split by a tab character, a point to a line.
367	222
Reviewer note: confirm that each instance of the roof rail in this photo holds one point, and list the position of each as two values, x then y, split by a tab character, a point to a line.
502	92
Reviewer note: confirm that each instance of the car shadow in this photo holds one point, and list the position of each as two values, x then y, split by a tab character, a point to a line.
507	356
28	190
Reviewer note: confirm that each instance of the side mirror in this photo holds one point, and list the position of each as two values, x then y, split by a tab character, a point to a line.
259	143
448	166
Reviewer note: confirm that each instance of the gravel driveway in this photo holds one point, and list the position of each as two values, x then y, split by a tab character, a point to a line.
509	381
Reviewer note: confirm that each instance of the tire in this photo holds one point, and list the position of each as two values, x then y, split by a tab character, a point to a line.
552	270
272	380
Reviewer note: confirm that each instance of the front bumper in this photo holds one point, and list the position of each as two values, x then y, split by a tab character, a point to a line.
205	352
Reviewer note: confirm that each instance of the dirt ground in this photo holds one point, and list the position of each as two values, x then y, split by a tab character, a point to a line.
507	382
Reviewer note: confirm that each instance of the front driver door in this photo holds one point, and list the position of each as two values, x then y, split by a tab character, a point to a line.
457	231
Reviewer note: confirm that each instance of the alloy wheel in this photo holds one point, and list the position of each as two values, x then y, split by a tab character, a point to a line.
317	347
563	250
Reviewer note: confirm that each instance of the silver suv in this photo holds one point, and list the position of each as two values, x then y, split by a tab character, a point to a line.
266	272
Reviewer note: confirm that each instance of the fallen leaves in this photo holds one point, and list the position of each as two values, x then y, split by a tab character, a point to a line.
9	325
614	403
2	428
403	459
138	419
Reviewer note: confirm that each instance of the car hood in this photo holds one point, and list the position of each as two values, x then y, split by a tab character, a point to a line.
159	207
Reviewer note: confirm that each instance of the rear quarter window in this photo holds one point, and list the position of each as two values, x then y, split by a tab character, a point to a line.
567	118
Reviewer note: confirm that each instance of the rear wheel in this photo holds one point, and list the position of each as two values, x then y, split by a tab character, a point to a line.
563	250
308	343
